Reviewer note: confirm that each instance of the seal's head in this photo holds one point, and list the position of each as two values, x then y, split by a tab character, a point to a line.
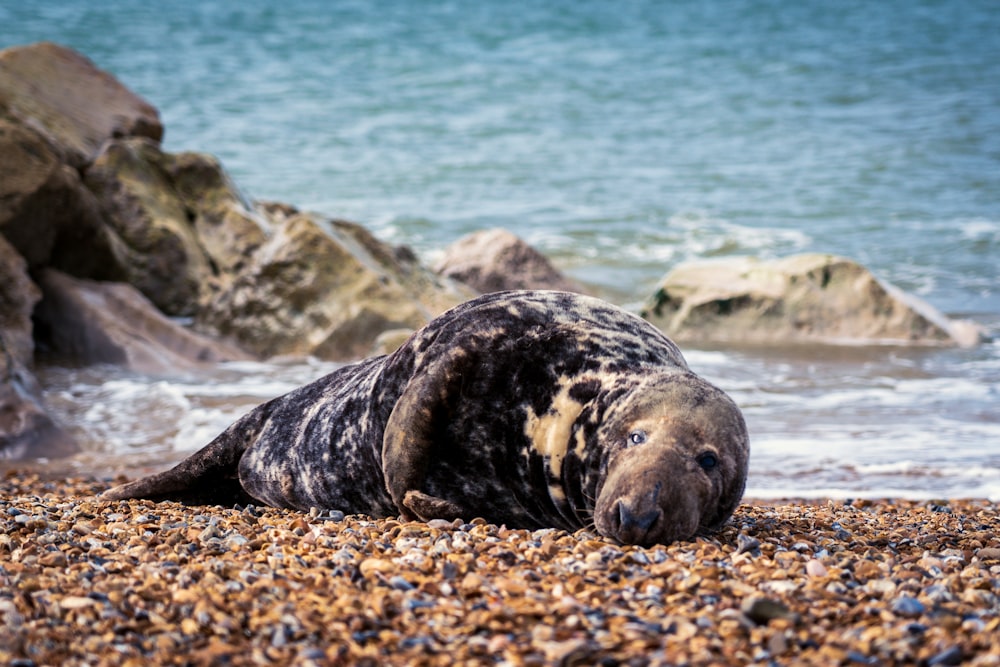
677	452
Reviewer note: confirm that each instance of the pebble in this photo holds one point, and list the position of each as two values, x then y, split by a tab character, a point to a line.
747	544
988	553
949	656
84	582
907	606
761	610
815	568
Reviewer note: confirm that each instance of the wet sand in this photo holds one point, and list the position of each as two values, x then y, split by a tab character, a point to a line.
792	582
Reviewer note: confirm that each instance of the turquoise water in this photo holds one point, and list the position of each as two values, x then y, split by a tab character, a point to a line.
621	138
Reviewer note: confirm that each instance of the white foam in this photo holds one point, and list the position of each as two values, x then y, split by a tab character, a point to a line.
121	414
201	425
980	229
988	492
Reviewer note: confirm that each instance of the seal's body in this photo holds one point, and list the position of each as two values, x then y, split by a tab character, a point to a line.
533	409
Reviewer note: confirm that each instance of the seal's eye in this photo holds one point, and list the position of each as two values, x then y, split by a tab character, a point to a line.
707	461
636	438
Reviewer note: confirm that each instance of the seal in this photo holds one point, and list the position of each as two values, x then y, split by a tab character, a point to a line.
528	408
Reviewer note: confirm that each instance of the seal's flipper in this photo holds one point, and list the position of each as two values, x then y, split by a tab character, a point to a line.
207	477
409	432
427	507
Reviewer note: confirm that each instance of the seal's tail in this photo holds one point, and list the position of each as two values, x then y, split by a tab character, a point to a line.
210	476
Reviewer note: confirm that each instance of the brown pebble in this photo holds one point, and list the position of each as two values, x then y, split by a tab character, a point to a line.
471	583
53	559
373	565
988	553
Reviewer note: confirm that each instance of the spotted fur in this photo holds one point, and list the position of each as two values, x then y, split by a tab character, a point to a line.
516	406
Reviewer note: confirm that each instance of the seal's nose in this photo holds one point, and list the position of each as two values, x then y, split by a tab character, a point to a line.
631	527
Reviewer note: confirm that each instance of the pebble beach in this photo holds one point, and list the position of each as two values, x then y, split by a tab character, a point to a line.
863	582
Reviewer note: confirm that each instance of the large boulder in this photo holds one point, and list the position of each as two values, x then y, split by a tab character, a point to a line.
84	322
26	430
86	189
74	104
182	227
57	110
30	174
803	298
326	288
494	260
45	211
159	250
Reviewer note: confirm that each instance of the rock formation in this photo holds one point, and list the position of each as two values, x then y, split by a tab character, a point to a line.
495	259
803	298
82	322
325	288
179	223
73	104
56	111
115	234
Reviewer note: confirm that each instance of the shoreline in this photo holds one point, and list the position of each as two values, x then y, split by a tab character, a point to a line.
794	581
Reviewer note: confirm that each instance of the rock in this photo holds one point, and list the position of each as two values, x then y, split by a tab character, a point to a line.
747	544
495	259
228	226
45	211
760	610
56	112
185	232
85	189
907	606
27	168
803	298
988	553
167	224
86	322
18	296
815	568
159	252
952	655
69	100
26	429
326	288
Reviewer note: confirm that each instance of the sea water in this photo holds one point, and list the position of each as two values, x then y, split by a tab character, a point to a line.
620	139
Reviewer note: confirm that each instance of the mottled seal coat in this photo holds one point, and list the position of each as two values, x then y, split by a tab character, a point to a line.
528	408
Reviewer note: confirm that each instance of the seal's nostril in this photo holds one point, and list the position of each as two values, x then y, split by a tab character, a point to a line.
619	516
631	523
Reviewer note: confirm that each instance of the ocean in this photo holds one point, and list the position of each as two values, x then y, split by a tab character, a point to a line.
619	139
